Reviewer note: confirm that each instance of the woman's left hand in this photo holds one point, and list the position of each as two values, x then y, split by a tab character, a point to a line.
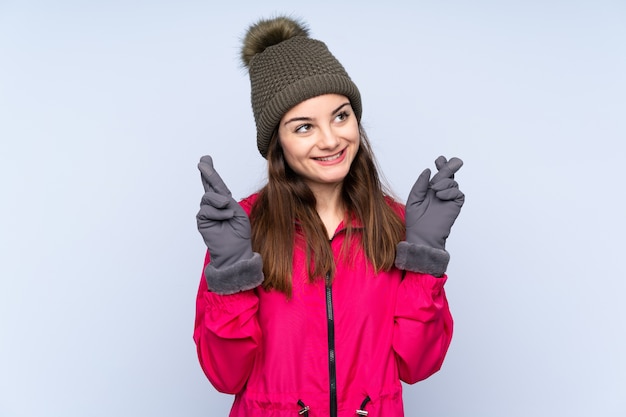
434	204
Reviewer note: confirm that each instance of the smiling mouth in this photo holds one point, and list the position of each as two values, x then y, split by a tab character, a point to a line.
330	158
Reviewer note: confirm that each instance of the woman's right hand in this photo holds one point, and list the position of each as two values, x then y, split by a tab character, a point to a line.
222	222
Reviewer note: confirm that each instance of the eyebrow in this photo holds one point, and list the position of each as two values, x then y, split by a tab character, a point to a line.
307	119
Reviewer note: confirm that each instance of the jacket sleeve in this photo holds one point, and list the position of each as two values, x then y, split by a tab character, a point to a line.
422	328
227	336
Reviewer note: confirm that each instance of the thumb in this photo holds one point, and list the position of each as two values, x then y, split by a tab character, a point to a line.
420	188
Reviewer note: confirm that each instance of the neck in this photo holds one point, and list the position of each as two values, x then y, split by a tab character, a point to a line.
329	206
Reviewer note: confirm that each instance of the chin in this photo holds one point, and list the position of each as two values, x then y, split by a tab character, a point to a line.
335	179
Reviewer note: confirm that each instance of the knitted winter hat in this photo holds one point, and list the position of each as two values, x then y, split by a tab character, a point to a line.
287	67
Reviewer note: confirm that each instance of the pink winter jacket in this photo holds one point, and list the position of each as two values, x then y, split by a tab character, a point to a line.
329	350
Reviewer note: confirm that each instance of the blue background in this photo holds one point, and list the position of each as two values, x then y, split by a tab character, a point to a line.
106	107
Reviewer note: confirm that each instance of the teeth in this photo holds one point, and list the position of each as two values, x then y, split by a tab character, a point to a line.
330	158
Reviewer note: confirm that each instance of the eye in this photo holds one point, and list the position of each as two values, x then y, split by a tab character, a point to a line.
342	116
303	128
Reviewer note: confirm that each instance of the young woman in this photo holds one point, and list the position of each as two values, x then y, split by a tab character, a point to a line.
320	293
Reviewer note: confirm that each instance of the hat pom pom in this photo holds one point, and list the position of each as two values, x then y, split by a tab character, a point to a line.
269	32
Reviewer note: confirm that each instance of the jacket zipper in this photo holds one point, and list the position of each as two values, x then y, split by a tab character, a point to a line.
332	368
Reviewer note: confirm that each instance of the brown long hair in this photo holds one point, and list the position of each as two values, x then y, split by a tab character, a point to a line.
285	212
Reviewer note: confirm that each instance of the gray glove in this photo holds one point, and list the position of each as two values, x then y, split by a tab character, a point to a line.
225	228
432	207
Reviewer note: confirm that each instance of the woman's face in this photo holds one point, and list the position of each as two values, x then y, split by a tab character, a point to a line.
320	138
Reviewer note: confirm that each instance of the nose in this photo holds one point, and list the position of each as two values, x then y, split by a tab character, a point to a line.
329	139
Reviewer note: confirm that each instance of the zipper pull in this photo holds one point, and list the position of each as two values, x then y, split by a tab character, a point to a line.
361	411
304	410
